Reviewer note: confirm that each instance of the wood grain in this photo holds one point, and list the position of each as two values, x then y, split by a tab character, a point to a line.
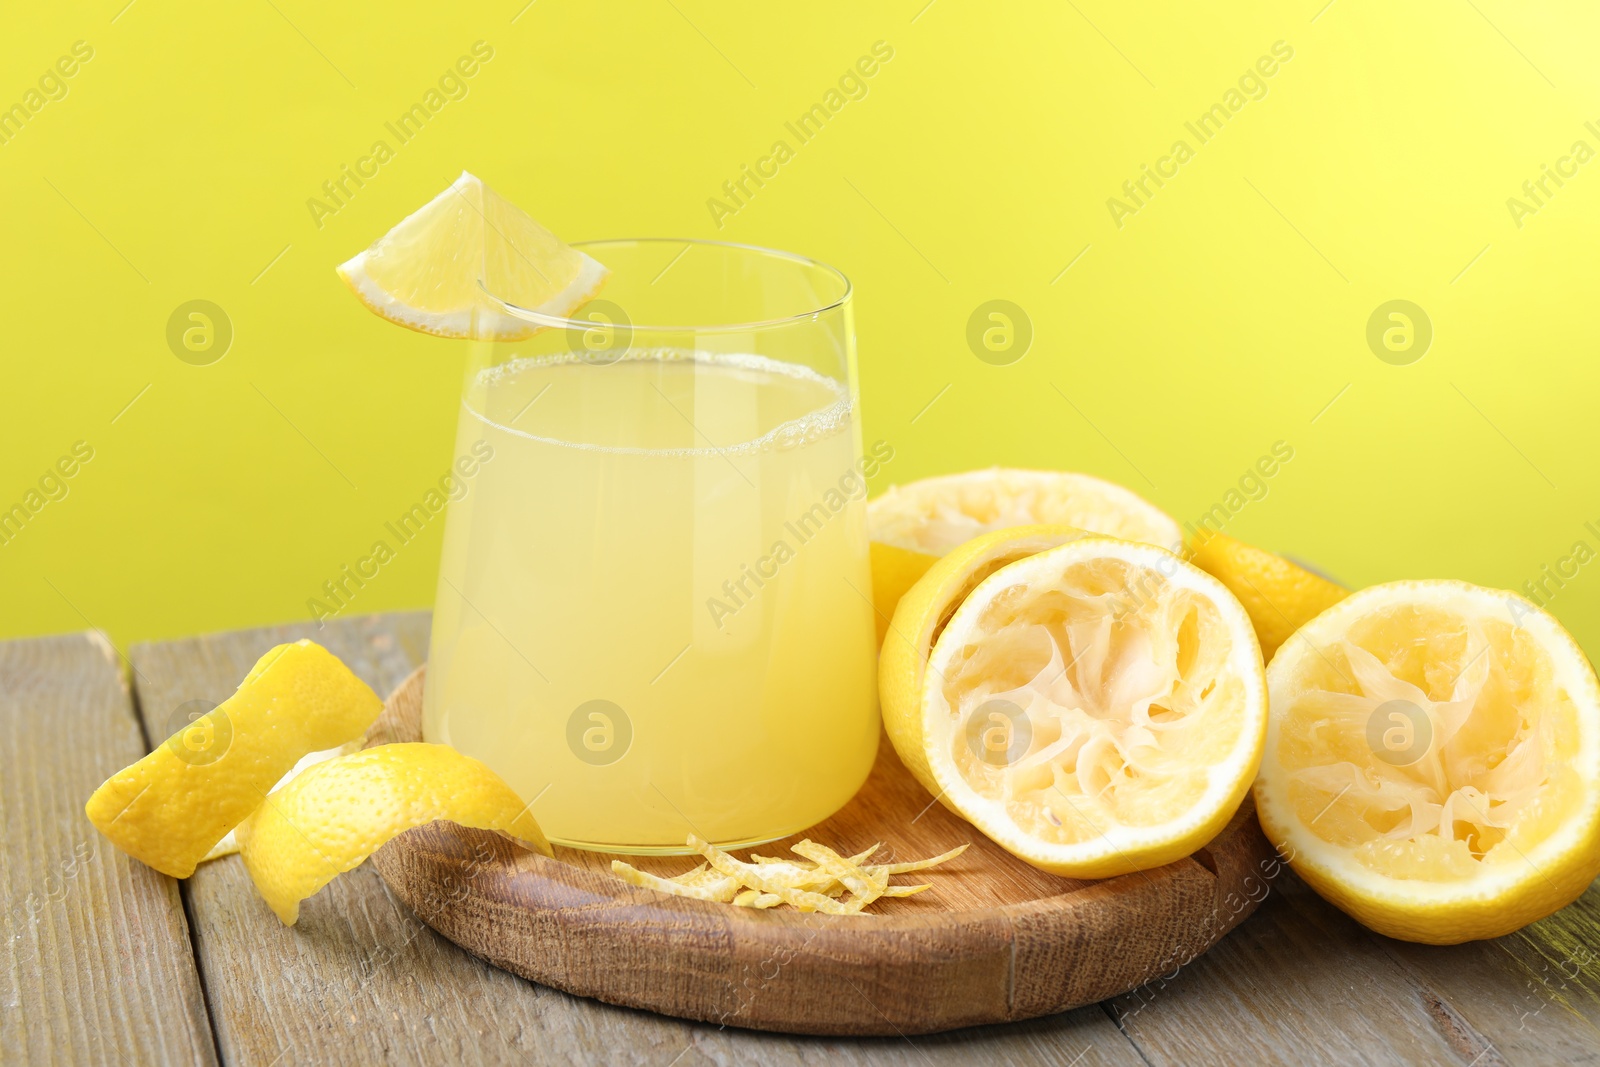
1304	983
95	962
1298	983
996	940
362	980
1531	997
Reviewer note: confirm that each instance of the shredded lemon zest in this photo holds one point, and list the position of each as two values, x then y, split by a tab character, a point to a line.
817	885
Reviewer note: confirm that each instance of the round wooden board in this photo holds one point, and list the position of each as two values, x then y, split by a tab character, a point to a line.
994	940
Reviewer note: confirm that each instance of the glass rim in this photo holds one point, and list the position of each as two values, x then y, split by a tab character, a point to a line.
542	319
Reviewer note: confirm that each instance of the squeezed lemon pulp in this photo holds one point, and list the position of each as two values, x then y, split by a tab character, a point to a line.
1475	777
1118	683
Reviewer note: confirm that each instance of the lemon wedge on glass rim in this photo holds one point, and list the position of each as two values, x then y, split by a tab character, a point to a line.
428	273
912	525
1095	706
1433	761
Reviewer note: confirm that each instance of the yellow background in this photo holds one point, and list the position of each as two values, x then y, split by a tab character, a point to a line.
1224	316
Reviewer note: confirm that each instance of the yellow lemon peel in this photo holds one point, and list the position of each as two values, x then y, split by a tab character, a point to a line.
172	807
334	815
1279	596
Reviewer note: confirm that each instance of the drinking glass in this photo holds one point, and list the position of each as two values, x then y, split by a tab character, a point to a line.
654	607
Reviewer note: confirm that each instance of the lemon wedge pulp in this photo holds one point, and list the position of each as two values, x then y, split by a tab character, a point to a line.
425	273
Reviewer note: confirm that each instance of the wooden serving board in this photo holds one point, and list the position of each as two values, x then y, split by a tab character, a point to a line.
994	940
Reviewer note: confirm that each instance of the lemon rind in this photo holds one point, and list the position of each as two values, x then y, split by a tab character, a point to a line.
903	663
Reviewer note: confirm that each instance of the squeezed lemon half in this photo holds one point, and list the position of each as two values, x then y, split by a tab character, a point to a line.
1433	761
425	273
912	525
1095	706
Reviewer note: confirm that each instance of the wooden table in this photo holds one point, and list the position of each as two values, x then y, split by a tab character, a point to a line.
105	961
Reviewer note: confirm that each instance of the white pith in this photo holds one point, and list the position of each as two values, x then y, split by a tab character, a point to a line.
1119	687
1469	819
480	321
934	515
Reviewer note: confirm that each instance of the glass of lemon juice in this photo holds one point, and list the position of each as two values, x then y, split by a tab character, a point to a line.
654	607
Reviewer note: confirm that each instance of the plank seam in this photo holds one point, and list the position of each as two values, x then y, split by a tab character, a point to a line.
123	668
191	927
136	702
1105	1006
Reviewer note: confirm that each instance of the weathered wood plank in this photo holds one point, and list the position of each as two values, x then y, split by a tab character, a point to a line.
361	980
95	960
1534	994
1298	982
97	965
1302	982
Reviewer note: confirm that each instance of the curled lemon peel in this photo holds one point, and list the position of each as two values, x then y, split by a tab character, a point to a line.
334	815
276	774
172	808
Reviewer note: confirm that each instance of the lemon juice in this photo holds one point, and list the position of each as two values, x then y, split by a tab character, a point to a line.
654	602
